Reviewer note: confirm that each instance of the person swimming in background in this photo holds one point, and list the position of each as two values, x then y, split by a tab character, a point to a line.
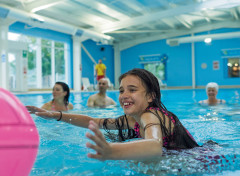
212	91
60	102
100	99
145	118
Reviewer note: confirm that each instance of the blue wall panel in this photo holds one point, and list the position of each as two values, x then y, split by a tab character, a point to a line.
209	53
179	64
178	70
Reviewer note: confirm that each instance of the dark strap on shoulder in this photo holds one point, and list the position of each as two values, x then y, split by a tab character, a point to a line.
149	125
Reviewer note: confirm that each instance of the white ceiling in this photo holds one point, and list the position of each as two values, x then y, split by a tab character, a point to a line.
126	21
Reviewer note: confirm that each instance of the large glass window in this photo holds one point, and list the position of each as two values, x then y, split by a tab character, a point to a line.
47	62
233	67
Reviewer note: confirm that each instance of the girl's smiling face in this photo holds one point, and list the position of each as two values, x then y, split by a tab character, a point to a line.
133	97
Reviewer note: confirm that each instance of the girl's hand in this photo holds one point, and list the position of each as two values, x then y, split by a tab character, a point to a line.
102	147
34	109
40	112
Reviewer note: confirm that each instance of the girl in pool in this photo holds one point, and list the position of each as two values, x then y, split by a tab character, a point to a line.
145	118
60	101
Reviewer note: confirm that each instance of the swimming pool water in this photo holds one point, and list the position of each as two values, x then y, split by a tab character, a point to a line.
62	148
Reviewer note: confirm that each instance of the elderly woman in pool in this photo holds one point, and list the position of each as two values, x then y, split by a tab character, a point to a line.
60	101
146	118
212	90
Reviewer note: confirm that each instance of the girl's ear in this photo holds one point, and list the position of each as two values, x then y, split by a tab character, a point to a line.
151	97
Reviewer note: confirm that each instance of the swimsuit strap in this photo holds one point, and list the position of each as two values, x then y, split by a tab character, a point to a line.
162	123
179	137
162	120
161	110
53	107
137	130
149	125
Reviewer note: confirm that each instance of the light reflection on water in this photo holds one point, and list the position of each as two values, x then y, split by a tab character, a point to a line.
62	148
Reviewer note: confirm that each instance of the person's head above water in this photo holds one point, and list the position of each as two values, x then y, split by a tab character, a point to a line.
103	84
61	87
212	85
150	83
59	102
212	90
101	99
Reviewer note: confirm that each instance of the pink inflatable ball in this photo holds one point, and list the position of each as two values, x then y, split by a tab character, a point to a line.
19	138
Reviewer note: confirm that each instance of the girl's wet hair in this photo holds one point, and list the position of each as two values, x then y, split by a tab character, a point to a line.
150	83
65	89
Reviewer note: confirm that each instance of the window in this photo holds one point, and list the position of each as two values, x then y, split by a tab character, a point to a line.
59	62
46	64
233	67
47	61
156	64
12	70
158	69
32	69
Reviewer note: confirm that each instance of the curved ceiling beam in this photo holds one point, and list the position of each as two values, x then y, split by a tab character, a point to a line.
48	23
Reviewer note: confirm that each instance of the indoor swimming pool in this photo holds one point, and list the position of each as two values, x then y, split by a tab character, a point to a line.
62	150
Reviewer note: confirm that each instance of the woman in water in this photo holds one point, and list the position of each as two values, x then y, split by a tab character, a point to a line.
145	117
212	90
60	100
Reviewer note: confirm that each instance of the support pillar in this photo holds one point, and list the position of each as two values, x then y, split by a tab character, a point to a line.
4	75
117	65
193	66
77	63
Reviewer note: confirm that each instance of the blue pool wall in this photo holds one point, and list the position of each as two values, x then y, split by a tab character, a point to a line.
179	63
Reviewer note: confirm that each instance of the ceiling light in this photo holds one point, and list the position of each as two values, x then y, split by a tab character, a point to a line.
208	40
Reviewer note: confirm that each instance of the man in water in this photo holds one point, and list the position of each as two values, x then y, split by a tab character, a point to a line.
100	99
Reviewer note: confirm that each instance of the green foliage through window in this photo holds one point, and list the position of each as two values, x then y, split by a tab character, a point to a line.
46	61
158	69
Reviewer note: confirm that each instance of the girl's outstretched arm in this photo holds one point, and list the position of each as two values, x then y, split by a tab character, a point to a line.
136	150
74	119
